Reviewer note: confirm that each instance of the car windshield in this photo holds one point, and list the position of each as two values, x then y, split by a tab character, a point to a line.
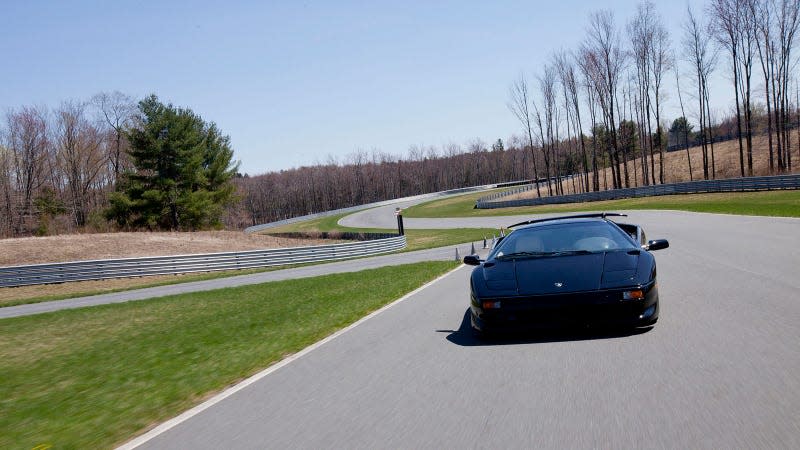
563	239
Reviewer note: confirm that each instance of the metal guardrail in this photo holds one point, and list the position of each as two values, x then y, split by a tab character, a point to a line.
524	187
171	265
777	182
209	262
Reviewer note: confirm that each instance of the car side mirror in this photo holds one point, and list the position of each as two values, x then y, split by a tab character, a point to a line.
472	260
657	244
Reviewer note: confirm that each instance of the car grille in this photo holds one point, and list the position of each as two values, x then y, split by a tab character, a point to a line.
602	307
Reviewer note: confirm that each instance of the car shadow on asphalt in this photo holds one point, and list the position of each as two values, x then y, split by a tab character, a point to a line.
465	337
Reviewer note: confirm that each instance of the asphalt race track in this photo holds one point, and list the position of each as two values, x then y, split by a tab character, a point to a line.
721	369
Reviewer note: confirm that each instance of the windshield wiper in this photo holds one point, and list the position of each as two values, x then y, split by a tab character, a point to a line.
538	254
518	254
572	252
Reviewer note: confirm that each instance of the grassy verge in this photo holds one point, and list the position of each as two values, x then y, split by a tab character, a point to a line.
94	377
771	203
43	293
457	206
422	239
416	239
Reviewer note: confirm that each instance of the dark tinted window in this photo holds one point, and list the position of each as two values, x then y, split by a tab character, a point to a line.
588	236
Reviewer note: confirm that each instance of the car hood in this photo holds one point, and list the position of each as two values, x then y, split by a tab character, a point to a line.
562	274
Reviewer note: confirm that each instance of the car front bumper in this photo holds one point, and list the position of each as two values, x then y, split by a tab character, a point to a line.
600	309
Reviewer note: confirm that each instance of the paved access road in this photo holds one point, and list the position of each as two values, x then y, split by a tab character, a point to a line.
719	370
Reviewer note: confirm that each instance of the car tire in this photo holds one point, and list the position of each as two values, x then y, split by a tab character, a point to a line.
476	332
482	335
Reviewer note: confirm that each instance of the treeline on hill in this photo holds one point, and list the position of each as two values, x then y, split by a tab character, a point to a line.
593	110
371	177
57	179
57	166
366	178
609	93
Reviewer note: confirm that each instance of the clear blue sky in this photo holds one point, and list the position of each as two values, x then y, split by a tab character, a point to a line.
293	82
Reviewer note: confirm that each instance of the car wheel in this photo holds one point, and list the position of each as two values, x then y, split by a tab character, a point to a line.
477	332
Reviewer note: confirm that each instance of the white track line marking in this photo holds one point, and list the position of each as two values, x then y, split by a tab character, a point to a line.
175	421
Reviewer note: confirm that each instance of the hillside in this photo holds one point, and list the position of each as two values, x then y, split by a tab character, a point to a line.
676	169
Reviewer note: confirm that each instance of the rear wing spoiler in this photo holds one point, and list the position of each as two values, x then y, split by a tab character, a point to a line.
577	216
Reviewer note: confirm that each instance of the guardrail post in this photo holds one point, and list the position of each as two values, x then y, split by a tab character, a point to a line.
398	212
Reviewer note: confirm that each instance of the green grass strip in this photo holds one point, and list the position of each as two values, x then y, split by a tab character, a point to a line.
94	377
770	203
415	239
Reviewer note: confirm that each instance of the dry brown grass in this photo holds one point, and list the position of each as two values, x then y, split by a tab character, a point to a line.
122	245
676	168
73	247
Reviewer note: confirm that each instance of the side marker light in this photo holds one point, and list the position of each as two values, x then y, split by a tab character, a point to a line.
633	295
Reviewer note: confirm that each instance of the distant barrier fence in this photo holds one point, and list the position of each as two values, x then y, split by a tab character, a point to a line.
172	265
770	183
334	235
525	186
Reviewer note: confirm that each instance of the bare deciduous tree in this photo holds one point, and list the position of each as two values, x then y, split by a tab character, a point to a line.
29	148
775	24
546	121
686	125
6	191
116	110
520	105
788	19
726	26
748	35
80	155
761	11
603	44
660	63
641	30
703	58
566	70
588	67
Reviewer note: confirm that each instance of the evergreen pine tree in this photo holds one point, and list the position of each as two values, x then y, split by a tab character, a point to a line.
182	171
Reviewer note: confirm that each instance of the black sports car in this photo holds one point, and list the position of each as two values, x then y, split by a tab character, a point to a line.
566	271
